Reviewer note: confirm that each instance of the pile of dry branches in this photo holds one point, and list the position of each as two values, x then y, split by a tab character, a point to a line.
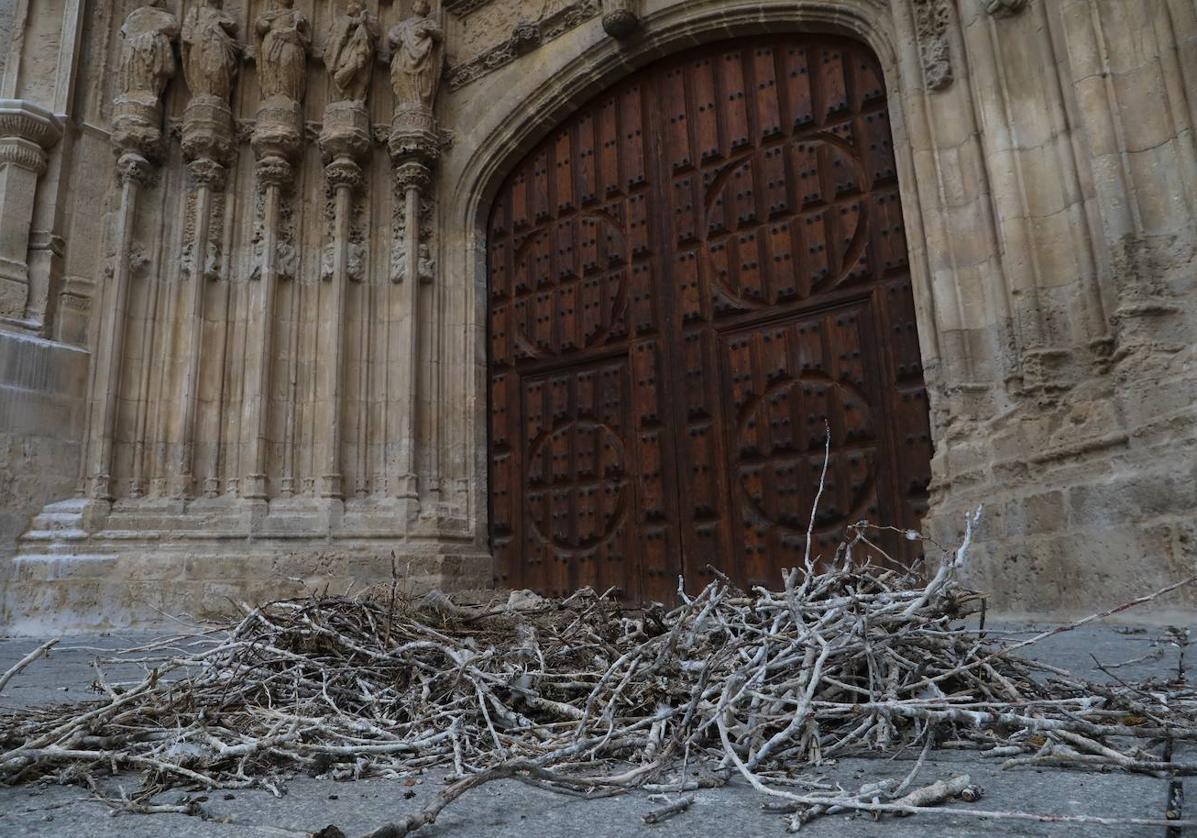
581	696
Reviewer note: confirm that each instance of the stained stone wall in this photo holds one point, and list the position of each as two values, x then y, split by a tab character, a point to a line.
224	382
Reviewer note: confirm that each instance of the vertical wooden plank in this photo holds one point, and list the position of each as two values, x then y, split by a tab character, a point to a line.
768	106
737	133
705	110
563	164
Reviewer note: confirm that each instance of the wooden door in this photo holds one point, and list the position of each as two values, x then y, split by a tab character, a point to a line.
690	281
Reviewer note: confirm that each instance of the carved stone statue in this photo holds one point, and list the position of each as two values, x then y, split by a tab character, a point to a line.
349	55
147	55
284	37
210	51
417	55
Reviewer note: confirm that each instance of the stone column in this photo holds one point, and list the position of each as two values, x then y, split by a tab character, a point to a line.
344	142
417	60
414	150
146	65
134	171
26	132
208	146
277	139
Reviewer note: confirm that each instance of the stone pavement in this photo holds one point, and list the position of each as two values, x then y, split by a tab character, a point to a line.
512	809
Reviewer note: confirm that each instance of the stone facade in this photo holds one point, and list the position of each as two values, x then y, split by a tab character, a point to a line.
243	342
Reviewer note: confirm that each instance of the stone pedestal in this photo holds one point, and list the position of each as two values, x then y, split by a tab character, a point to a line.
207	129
346	132
413	135
279	128
137	124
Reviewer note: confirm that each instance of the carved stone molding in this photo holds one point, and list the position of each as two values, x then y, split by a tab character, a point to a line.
1003	8
931	19
461	8
525	37
23	153
19	118
26	131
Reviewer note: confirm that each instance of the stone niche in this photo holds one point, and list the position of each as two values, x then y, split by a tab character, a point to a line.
288	339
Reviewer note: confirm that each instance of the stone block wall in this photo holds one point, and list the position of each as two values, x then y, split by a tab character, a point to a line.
41	427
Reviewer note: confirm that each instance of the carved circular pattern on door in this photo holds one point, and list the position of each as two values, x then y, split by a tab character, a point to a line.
575	288
778	464
785	221
576	488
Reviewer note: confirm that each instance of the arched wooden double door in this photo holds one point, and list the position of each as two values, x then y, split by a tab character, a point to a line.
688	280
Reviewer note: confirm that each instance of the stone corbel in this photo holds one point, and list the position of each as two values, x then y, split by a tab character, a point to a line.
26	133
1003	8
621	17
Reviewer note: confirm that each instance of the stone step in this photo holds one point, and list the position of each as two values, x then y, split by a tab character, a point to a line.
48	547
55	566
43	533
57	521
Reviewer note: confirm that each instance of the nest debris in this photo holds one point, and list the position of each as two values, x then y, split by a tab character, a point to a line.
584	697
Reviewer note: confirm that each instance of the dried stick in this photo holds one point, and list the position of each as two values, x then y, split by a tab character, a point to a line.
666	812
25	661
